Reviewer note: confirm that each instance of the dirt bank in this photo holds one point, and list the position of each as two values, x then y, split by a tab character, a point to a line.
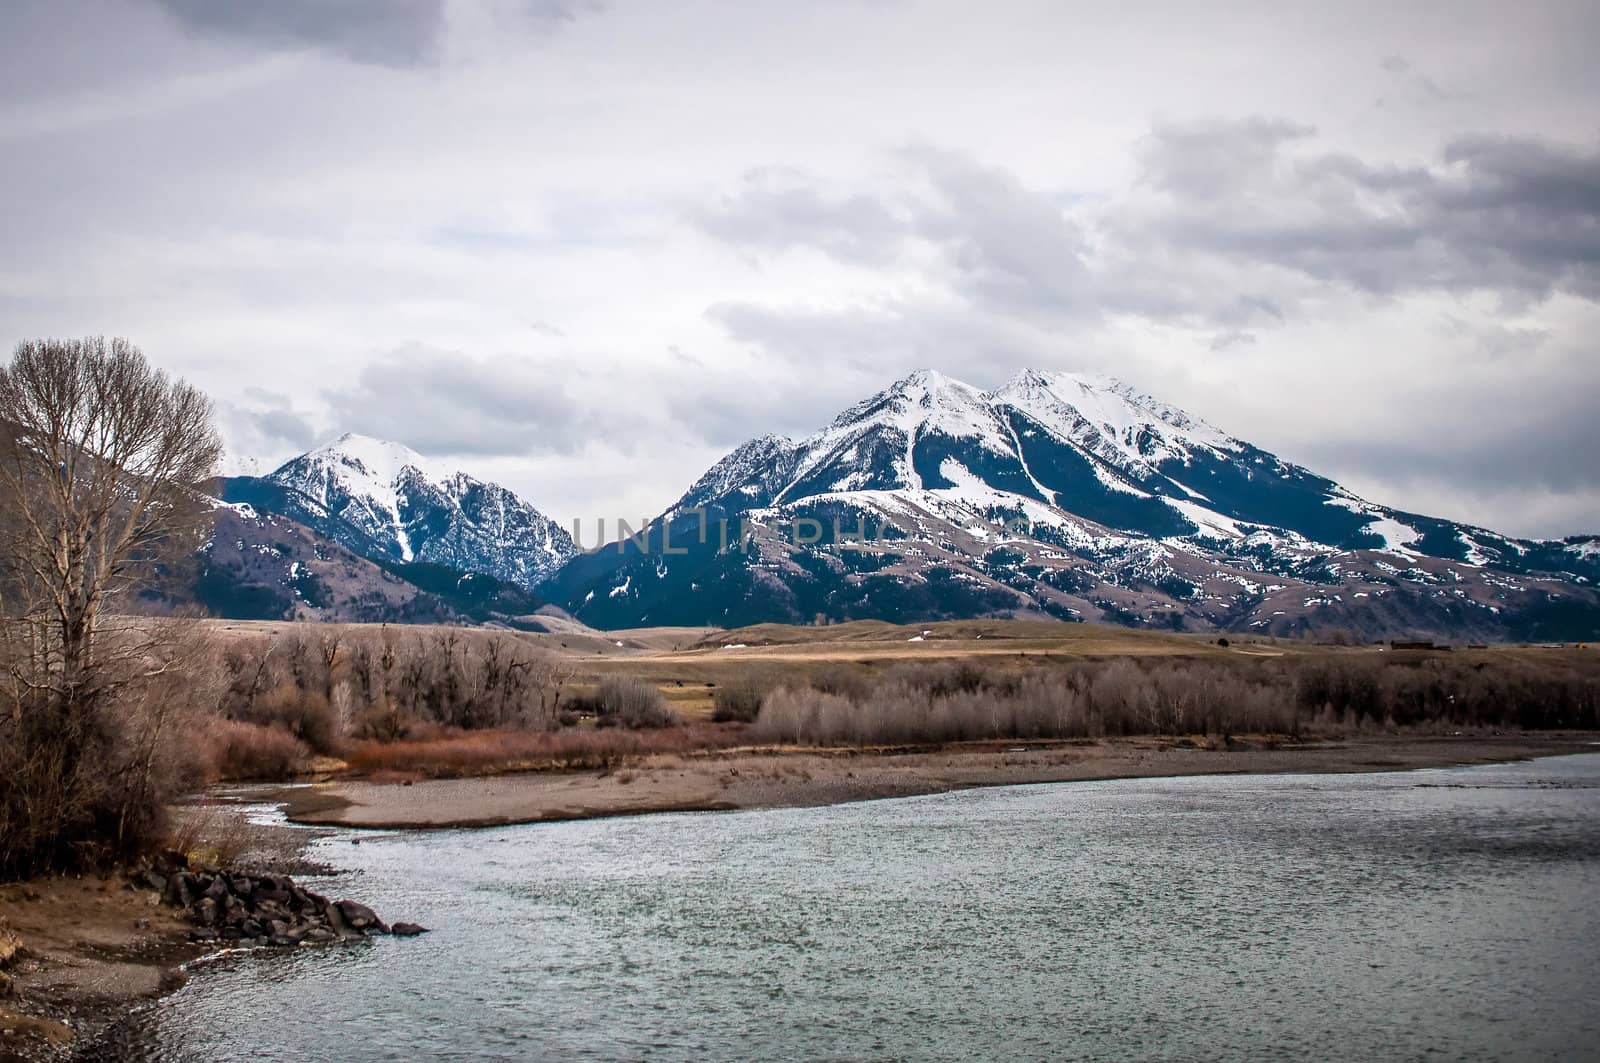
90	948
733	780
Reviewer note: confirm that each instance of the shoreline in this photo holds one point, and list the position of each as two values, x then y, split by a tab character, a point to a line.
95	948
92	948
737	780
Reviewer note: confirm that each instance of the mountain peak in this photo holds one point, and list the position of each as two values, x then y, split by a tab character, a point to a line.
923	378
382	499
1070	495
926	384
366	463
1116	412
374	453
1050	379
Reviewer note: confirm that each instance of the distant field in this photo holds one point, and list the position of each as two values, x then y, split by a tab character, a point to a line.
773	654
689	663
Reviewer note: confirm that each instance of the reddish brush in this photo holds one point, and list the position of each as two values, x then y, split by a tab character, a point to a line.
488	752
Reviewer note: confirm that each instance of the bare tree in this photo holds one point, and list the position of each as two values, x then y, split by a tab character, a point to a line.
99	473
100	457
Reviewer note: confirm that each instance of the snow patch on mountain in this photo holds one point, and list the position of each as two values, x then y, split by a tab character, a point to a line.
1208	520
1587	550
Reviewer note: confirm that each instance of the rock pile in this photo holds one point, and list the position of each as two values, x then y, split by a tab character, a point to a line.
244	910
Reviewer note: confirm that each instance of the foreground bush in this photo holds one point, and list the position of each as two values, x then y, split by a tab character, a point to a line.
327	684
85	781
304	715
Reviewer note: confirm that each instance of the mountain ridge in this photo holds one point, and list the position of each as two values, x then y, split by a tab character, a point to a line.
1139	512
384	501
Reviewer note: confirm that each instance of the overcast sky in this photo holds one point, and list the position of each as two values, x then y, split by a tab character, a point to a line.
586	248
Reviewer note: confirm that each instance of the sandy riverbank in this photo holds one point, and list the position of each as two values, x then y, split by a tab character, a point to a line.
735	780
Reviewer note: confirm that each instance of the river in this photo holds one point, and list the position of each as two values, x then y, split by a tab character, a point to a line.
1441	914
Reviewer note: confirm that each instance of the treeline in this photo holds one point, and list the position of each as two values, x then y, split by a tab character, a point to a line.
316	690
965	701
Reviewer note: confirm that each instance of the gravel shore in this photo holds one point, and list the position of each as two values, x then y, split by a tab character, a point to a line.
765	779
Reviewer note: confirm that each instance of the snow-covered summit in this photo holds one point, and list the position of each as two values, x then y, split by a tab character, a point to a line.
362	465
386	501
1091	448
1115	421
901	438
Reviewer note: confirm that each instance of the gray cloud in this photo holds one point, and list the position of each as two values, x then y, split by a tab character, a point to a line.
1206	160
396	33
1413	84
1232	228
387	32
263	423
729	406
1008	244
282	424
1533	442
1003	243
855	336
1513	216
778	209
1224	341
443	403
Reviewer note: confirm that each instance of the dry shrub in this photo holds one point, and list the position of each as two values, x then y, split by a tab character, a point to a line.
843	680
941	678
325	684
85	780
633	703
307	715
804	715
382	720
256	752
737	701
962	701
455	754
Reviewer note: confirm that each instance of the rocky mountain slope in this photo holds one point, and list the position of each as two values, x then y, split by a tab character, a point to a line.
387	503
264	566
1069	496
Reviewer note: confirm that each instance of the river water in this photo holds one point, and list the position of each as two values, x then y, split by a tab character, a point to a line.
1447	914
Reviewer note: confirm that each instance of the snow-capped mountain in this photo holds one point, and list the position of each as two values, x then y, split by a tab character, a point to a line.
1066	495
385	501
265	566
